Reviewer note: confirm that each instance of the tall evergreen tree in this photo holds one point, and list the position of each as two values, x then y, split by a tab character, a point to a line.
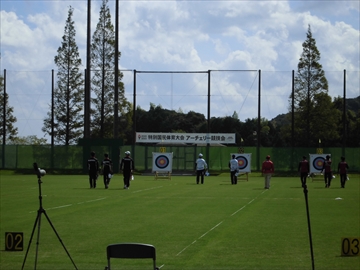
310	81
103	69
10	119
69	90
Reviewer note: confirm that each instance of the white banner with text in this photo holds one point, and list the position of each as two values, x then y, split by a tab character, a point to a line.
211	138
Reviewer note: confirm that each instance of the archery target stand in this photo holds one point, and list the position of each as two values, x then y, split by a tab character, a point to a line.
244	176
162	175
162	165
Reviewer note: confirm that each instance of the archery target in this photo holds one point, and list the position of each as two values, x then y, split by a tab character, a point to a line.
162	162
244	161
317	162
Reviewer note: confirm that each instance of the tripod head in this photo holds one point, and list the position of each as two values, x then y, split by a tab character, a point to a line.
39	172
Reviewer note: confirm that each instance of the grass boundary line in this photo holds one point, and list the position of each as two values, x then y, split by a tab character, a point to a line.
147	189
68	205
217	225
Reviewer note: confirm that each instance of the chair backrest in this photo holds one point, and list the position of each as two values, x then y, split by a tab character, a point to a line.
131	251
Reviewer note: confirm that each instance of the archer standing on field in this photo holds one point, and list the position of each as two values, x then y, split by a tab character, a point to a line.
107	170
200	167
328	173
304	169
234	168
342	170
127	166
267	170
93	168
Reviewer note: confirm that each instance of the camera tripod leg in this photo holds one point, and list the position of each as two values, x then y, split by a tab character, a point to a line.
58	236
37	222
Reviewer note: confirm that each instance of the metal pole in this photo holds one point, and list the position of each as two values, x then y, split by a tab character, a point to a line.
292	118
88	75
134	110
259	123
4	113
344	116
52	118
116	86
208	117
4	123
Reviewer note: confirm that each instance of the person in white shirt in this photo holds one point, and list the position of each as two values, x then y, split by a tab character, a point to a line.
200	167
234	168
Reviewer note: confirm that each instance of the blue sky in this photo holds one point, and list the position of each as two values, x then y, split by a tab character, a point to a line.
185	36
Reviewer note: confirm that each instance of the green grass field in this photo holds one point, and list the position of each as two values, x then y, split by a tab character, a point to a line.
212	226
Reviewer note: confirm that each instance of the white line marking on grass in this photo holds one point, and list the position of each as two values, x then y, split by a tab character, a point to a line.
67	205
200	237
210	230
186	248
147	189
96	200
238	210
221	222
57	207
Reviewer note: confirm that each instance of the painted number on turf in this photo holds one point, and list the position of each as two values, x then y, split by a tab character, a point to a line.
350	246
14	241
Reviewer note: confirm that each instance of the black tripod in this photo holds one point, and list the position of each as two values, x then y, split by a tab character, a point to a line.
38	222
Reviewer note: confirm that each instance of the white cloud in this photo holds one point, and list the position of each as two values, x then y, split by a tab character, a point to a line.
186	35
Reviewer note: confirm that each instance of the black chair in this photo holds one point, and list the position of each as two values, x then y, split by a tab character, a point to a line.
131	251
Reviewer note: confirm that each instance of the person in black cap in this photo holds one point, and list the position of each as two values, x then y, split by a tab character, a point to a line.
328	173
304	169
93	168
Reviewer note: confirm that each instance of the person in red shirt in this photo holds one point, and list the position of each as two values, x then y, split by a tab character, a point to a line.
342	170
328	173
304	169
267	170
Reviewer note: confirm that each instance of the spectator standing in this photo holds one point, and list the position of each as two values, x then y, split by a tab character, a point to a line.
127	166
107	170
304	169
200	167
93	168
328	173
267	170
234	169
342	170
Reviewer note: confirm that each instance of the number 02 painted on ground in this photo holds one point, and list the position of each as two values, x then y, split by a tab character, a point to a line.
14	241
350	246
